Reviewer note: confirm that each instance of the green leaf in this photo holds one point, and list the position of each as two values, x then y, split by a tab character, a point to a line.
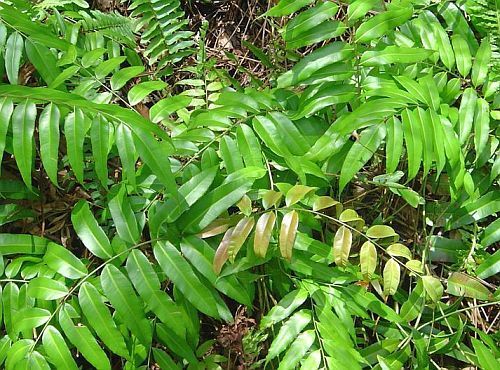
382	23
358	9
230	155
443	45
22	244
99	138
394	144
28	318
394	54
120	78
63	76
460	284
43	60
121	295
296	194
391	274
284	308
361	152
342	243
23	127
297	350
48	129
76	126
238	237
288	332
466	113
286	7
480	65
90	58
414	305
57	350
165	107
432	287
17	353
368	260
249	146
137	93
106	67
6	109
382	232
82	338
491	234
147	284
123	215
13	53
413	139
327	95
127	152
89	231
46	289
64	262
182	275
481	126
462	54
483	207
209	207
322	57
91	303
485	357
399	250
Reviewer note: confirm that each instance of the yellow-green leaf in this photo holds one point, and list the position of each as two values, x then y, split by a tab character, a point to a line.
368	260
287	234
342	246
433	288
391	276
239	235
263	231
399	250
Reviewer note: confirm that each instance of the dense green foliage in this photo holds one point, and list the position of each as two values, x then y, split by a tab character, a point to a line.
341	213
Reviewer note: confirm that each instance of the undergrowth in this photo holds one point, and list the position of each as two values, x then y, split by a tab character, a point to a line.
312	185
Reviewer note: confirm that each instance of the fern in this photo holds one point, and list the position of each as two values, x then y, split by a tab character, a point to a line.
112	25
163	29
485	16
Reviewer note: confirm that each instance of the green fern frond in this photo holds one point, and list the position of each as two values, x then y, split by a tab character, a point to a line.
485	16
164	30
111	25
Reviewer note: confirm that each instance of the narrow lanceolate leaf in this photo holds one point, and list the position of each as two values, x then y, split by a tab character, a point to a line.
394	54
13	53
120	78
297	350
140	91
288	332
57	350
239	235
46	289
361	152
438	139
89	231
391	276
93	307
481	126
368	260
249	146
123	215
263	231
433	288
221	254
121	295
180	272
165	107
99	138
413	139
48	129
82	338
462	54
29	318
287	234
6	109
444	46
286	7
23	127
490	266
231	157
342	243
485	356
481	62
127	152
380	24
460	284
76	126
64	262
466	114
43	60
393	144
412	307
